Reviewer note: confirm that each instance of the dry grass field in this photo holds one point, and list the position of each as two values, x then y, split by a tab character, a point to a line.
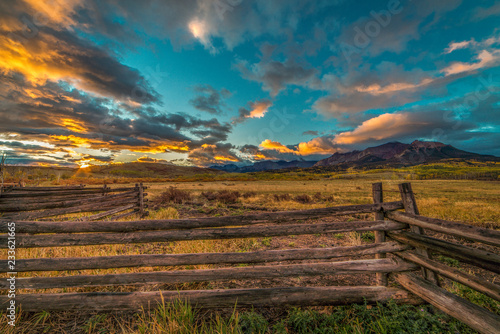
475	202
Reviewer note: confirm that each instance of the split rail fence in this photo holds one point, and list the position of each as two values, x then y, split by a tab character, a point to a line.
402	253
22	203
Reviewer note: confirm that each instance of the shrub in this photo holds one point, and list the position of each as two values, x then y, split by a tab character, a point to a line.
282	197
173	195
249	194
209	195
223	196
304	199
227	196
317	196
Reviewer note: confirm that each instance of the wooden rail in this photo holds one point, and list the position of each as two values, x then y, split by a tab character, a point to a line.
35	227
401	246
282	296
474	233
81	239
212	275
38	202
476	317
477	257
162	260
492	290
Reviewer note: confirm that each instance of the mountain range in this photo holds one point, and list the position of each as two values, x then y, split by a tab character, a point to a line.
396	154
393	154
265	165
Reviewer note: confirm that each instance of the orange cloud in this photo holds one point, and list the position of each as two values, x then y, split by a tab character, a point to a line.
377	128
161	148
55	11
319	145
275	146
72	140
376	89
226	158
260	156
212	154
74	125
485	58
255	109
259	109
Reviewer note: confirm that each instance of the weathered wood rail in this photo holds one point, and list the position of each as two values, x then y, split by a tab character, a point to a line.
21	203
401	250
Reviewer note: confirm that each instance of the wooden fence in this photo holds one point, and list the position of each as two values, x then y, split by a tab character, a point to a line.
402	253
22	203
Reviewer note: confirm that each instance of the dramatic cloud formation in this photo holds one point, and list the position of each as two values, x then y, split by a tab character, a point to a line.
83	82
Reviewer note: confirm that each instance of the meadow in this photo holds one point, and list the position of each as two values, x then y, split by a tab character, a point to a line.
472	201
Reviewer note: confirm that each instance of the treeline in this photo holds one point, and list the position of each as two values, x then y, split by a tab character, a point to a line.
454	171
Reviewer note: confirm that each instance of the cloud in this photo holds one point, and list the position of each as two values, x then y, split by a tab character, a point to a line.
405	125
273	150
390	27
215	24
255	109
443	122
485	59
481	13
275	146
75	94
368	87
68	118
210	100
153	160
254	153
275	76
60	55
487	55
209	154
86	158
316	146
310	132
379	128
457	46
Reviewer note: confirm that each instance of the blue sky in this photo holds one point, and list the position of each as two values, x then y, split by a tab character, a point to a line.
218	81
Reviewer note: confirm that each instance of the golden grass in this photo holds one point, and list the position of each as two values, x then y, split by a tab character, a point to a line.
164	213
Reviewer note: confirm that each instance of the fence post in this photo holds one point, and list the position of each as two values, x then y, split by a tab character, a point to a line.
410	205
141	199
381	278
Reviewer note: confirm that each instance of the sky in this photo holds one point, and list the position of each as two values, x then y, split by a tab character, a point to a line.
204	82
